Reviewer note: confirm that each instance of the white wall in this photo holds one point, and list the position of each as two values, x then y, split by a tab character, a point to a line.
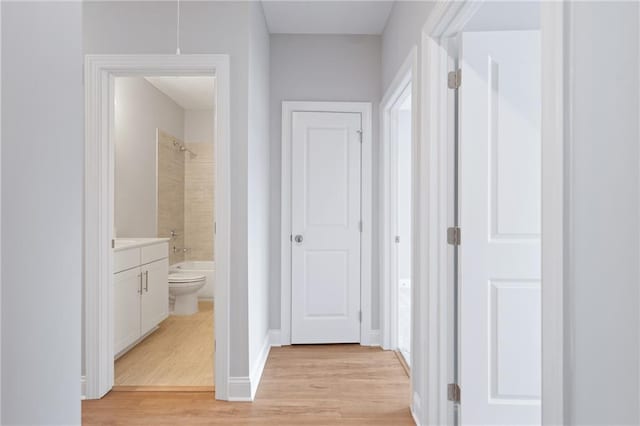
140	110
42	184
206	27
259	183
199	126
402	32
319	68
604	252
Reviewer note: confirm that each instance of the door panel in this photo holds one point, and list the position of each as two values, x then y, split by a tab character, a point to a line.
155	295
325	291
126	302
500	165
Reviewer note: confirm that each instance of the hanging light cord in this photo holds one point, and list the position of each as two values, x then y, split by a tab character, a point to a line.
177	27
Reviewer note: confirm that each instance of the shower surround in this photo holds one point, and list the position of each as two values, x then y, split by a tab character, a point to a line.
186	197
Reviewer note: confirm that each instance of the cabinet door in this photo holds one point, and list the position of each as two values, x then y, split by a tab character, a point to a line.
126	303
155	294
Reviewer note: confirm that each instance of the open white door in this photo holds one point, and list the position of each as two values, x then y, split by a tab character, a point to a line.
325	223
500	166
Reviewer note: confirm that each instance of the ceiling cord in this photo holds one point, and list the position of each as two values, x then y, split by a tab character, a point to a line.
177	27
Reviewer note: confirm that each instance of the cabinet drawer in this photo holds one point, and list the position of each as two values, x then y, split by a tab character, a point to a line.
154	252
126	259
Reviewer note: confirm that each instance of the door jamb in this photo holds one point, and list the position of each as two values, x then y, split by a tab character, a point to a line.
367	336
404	77
435	177
98	206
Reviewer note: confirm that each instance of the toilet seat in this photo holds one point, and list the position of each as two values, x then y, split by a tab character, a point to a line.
184	278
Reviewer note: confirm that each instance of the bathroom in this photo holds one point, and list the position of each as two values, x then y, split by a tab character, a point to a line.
164	260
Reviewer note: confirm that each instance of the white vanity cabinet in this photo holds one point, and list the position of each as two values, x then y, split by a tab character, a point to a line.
140	291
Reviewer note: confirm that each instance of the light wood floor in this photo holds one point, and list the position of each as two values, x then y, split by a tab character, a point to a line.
301	385
179	353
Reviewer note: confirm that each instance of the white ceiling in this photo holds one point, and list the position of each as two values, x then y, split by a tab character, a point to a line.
191	93
512	15
326	16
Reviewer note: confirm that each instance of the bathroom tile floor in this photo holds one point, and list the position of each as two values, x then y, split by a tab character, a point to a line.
179	353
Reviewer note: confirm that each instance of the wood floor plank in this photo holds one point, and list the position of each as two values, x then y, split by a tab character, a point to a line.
301	385
179	353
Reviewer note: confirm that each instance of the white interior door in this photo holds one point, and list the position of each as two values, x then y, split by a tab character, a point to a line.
325	216
500	166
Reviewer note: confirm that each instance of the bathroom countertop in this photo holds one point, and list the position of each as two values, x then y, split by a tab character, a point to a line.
128	243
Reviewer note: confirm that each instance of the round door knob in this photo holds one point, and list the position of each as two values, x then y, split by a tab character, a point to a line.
298	239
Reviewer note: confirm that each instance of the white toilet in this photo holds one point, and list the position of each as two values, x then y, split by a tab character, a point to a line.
183	292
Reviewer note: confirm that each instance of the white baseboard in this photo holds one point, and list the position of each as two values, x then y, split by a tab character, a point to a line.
274	338
416	408
256	374
240	389
83	388
244	388
373	339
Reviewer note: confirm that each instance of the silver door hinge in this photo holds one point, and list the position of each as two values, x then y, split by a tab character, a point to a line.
397	239
113	243
360	226
454	79
360	135
360	316
290	237
215	227
454	236
453	392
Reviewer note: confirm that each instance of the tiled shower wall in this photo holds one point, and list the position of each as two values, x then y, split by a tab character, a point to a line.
171	175
186	198
199	201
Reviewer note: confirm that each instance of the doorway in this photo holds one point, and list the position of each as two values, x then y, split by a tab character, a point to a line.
397	159
101	245
164	192
496	234
326	223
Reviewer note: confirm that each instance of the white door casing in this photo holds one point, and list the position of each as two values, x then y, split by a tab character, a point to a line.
325	224
500	218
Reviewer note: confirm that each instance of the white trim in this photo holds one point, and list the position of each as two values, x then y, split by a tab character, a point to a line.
555	186
447	19
416	407
98	209
364	108
274	338
256	373
243	388
405	76
374	339
83	388
239	389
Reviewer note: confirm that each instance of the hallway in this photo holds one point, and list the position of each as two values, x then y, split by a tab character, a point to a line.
318	385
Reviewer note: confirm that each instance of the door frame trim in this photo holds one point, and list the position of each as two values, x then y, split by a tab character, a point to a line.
406	75
98	206
367	338
447	19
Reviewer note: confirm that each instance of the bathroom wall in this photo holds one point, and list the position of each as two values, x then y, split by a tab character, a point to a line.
140	110
199	201
199	184
171	185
